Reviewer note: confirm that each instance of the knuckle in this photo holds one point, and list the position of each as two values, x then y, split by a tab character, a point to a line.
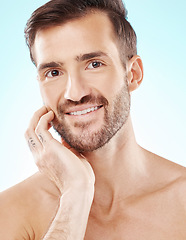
37	113
41	160
40	112
27	133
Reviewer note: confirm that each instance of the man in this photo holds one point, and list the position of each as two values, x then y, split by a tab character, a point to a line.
98	183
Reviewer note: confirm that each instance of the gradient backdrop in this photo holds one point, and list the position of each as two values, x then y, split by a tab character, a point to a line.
158	106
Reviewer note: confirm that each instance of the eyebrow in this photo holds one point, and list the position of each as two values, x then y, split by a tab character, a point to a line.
80	58
91	55
49	65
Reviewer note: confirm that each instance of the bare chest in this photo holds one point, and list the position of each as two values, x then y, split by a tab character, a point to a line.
135	229
144	222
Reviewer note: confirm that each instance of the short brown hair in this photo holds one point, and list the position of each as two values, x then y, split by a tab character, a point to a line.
57	12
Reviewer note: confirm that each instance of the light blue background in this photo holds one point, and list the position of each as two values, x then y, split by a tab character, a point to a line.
158	106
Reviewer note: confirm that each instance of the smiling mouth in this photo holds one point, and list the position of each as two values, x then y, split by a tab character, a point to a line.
85	111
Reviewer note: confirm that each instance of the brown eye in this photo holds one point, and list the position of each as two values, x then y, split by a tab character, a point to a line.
53	73
94	64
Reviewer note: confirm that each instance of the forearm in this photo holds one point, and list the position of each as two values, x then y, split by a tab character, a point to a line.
71	219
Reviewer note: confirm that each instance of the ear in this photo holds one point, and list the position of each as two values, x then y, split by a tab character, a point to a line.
134	72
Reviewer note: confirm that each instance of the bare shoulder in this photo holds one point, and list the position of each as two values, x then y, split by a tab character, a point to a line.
28	208
169	175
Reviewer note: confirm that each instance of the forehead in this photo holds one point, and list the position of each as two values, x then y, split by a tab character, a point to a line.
94	32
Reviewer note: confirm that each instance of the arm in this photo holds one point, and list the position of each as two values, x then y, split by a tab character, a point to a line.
70	172
72	216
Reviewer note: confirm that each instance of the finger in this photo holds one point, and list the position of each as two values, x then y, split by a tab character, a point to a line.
30	135
42	132
36	117
33	142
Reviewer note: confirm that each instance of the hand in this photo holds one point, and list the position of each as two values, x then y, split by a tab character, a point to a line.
66	167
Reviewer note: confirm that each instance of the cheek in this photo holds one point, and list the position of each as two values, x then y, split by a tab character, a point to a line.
111	83
51	96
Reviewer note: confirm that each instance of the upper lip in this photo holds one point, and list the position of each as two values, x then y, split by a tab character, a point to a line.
80	108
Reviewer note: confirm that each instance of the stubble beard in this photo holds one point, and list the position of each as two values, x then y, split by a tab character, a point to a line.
115	117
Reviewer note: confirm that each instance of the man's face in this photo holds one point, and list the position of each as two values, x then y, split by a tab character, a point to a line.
83	81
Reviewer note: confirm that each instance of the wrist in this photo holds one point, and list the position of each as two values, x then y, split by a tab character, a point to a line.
76	186
78	191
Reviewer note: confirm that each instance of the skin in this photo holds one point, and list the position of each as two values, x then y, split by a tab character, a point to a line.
119	191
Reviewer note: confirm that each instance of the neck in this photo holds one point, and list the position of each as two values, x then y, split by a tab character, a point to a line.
118	167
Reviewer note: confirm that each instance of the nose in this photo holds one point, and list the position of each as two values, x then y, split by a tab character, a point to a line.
76	88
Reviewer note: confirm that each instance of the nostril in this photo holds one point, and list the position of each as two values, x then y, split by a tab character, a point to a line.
75	92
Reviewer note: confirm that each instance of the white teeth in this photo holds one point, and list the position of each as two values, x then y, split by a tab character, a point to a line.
78	113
